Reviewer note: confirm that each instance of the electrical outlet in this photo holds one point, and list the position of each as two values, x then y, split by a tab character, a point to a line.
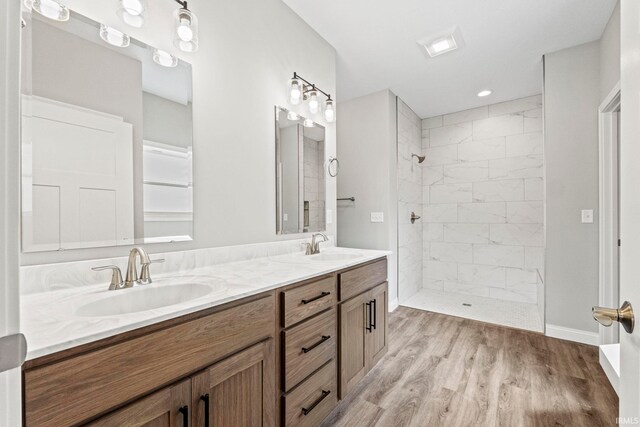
377	216
329	216
587	216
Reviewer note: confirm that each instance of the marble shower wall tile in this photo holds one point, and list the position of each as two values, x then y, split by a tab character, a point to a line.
483	201
447	135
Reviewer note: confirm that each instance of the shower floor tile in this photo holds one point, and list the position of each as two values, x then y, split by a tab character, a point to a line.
507	313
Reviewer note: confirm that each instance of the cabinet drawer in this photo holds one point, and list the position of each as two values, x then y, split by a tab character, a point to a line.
80	387
313	400
308	346
358	280
307	300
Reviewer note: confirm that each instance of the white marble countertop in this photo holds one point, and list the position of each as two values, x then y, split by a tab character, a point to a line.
57	320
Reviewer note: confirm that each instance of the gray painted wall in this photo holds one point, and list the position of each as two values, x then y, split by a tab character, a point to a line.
572	96
239	74
610	54
366	128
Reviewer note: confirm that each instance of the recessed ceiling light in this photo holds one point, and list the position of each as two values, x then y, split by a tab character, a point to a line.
485	92
443	42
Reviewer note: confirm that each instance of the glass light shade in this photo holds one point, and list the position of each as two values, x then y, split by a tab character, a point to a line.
133	12
164	58
186	30
295	92
308	123
50	9
329	111
314	105
113	36
293	116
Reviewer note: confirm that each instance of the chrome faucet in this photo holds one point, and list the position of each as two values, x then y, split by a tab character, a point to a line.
132	272
314	247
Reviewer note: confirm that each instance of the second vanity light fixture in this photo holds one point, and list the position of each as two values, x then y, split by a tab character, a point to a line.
302	89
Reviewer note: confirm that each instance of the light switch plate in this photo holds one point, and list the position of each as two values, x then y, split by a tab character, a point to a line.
587	216
285	217
329	216
377	216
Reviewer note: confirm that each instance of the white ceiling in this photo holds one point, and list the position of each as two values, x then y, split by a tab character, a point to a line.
376	46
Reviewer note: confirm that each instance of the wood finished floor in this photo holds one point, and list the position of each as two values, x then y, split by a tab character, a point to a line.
448	371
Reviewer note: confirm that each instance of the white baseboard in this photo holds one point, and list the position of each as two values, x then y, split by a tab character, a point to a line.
393	304
576	335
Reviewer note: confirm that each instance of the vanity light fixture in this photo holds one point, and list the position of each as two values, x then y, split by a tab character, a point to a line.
295	91
49	8
186	28
293	116
484	93
308	123
329	111
133	12
113	36
302	89
164	58
314	105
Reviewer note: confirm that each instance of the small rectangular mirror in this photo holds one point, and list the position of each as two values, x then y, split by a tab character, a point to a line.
107	138
300	175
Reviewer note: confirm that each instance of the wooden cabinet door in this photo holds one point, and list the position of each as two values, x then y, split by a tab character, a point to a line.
168	407
376	339
238	391
353	357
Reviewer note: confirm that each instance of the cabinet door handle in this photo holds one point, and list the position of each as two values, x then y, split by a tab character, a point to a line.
368	320
306	411
375	313
311	347
205	399
322	295
185	415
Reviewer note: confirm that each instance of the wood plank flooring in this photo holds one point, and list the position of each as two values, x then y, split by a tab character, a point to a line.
448	371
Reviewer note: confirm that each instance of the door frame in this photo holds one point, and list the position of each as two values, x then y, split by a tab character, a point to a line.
10	382
608	295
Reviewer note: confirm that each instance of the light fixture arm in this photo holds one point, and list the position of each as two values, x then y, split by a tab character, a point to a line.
313	86
182	3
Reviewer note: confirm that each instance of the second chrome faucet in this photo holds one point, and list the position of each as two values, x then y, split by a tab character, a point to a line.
132	277
314	247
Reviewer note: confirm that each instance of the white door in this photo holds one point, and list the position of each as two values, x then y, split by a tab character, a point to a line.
77	173
630	208
10	395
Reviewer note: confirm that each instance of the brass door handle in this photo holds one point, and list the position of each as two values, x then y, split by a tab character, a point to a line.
624	315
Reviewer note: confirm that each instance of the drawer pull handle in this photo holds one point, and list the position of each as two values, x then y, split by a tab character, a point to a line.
311	347
306	411
369	327
205	399
185	415
322	295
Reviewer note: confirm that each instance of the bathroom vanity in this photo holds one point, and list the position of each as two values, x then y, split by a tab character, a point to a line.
282	352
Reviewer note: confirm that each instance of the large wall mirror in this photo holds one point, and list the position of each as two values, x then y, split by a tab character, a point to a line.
300	175
106	139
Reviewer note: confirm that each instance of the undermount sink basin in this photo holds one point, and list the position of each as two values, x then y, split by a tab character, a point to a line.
143	298
334	257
